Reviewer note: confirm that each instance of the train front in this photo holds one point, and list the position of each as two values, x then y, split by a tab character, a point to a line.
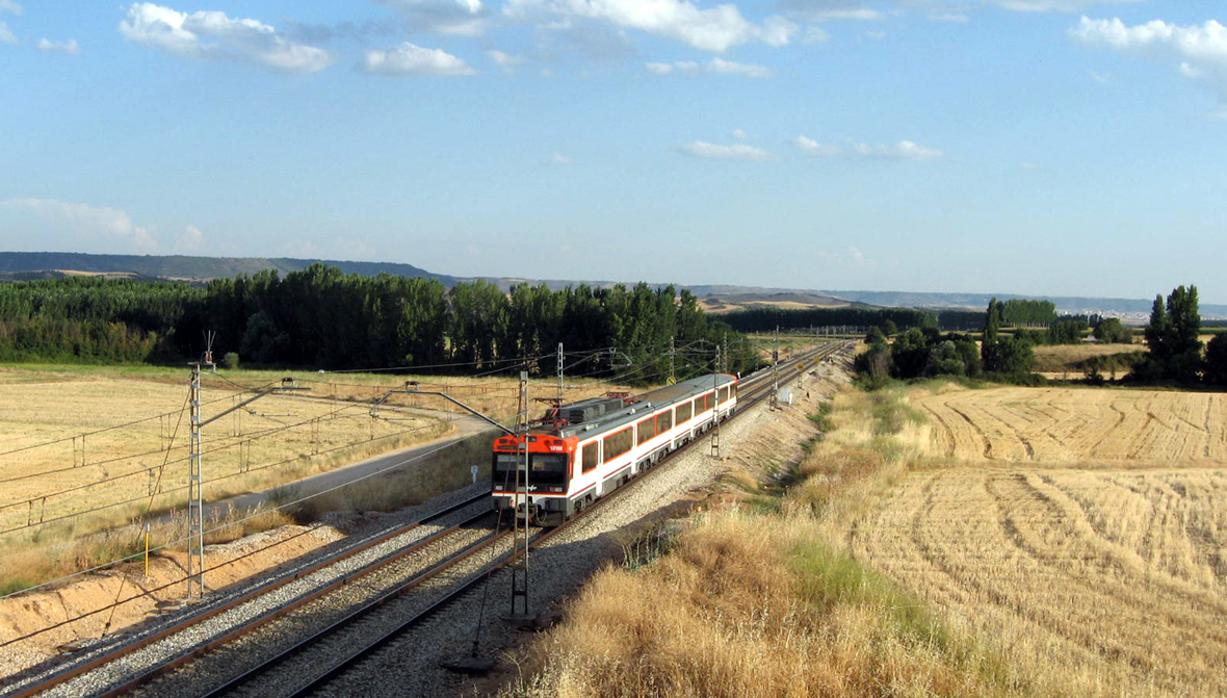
538	492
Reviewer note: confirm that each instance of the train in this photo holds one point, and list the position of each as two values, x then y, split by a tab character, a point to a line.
582	451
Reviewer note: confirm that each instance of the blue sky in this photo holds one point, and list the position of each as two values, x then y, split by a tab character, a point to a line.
1033	146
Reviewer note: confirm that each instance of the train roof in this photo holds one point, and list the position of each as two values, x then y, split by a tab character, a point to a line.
649	402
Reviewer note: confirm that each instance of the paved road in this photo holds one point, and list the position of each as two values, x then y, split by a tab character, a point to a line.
465	426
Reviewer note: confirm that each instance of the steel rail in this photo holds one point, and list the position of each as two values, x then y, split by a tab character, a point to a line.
124	649
794	368
790	369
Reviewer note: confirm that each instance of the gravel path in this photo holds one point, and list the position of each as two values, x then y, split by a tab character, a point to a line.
411	664
179	643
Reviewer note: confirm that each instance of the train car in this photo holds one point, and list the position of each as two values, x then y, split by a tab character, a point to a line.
587	449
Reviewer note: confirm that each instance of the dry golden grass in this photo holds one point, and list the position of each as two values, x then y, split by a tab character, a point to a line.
747	606
280	439
1058	426
892	568
1109	575
1061	358
763	604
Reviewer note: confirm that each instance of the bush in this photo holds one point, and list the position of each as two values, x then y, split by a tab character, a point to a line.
231	360
1216	360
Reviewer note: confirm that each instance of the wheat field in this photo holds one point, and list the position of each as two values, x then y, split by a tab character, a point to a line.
1084	531
1073	425
58	456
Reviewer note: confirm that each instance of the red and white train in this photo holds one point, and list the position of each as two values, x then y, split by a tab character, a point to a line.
594	446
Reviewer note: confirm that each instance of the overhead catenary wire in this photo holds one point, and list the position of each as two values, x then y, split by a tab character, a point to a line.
112	505
255	513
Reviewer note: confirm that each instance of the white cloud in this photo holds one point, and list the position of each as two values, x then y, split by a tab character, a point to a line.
506	61
739	134
1098	77
902	150
83	220
10	6
1201	50
192	239
952	17
560	159
809	146
714	151
6	35
716	28
715	65
814	34
48	46
833	10
1055	5
212	34
455	17
410	59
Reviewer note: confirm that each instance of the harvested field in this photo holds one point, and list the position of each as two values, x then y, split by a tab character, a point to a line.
1063	426
1118	580
59	456
1084	531
1056	359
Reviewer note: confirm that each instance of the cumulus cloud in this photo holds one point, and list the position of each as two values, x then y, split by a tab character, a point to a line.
714	28
715	151
1199	50
506	61
83	220
828	10
902	150
715	65
48	46
211	34
10	6
455	17
6	35
560	159
191	239
809	146
1055	5
410	59
739	134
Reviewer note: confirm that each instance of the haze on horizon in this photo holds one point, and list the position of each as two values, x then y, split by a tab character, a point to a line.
1055	147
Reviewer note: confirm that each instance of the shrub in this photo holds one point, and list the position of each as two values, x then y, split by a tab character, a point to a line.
231	360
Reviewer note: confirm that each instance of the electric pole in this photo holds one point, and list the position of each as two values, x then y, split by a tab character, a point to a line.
672	361
195	498
775	376
195	479
519	549
561	387
715	434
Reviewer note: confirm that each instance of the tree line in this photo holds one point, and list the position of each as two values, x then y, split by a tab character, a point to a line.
1173	337
320	317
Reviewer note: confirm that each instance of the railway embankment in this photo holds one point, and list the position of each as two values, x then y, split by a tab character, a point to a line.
757	595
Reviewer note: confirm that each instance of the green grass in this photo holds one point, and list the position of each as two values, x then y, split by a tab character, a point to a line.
829	578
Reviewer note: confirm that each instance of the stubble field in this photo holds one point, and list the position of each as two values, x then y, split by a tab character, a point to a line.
1085	531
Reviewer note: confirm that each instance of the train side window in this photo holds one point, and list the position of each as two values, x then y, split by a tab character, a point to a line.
698	405
646	429
710	399
664	421
683	413
592	455
617	444
724	395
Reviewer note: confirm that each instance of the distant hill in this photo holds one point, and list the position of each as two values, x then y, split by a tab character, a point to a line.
187	268
714	297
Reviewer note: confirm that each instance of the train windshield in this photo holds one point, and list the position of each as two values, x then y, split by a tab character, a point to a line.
545	469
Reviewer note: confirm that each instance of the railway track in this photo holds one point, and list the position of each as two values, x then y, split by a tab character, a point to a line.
297	646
